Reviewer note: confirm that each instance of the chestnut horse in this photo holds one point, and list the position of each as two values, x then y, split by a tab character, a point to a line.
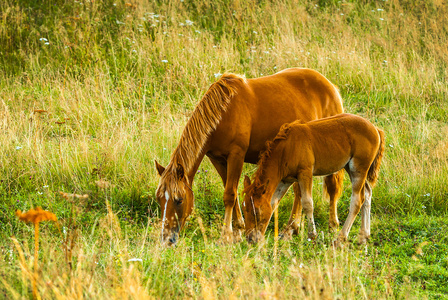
231	125
317	148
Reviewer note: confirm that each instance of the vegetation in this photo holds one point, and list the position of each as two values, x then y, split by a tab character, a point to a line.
91	92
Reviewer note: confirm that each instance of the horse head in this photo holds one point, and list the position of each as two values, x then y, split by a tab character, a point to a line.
257	210
175	197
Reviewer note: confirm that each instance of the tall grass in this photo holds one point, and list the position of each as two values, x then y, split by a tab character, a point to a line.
118	81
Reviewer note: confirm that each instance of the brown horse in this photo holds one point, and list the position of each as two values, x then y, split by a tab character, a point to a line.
317	148
231	125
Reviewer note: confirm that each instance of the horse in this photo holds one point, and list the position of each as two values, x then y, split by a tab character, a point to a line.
317	148
230	125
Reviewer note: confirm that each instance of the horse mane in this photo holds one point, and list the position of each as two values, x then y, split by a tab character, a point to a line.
204	119
258	177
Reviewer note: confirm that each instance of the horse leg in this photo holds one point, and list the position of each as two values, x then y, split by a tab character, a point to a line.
358	180
296	215
306	188
238	221
235	162
333	188
364	233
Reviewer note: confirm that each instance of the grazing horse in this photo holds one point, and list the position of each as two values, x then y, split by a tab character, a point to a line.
231	125
317	148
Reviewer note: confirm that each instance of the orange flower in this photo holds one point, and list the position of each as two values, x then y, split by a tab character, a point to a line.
36	215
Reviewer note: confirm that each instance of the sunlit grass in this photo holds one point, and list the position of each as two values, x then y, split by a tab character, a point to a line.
91	92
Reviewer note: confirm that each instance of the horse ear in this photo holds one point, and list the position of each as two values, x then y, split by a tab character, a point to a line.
246	182
159	168
180	172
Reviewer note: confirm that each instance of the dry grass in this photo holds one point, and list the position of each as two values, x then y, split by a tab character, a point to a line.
89	112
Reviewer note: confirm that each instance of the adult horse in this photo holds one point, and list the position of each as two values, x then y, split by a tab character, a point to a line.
231	125
317	148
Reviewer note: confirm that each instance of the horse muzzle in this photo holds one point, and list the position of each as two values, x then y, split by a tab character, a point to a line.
254	237
171	238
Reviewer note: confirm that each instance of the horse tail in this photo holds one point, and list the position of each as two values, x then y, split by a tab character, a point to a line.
374	169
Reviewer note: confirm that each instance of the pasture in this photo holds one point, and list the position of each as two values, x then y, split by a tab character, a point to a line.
91	92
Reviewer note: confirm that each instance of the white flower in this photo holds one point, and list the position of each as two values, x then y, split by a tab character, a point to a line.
119	22
18	147
379	9
197	31
255	32
188	22
164	61
45	186
390	145
181	24
135	259
217	75
134	51
381	19
301	265
43	39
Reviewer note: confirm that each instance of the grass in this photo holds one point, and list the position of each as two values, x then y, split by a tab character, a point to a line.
117	82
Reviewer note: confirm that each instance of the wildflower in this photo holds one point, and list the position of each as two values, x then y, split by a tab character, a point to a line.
119	22
103	184
381	19
43	39
164	61
217	75
255	32
68	196
390	145
197	31
135	259
18	147
36	215
188	22
379	9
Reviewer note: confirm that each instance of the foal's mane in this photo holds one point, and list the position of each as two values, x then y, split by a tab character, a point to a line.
259	175
204	119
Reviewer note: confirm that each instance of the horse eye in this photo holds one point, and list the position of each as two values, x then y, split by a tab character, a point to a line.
179	200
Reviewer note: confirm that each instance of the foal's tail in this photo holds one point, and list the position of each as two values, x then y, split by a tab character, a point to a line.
374	169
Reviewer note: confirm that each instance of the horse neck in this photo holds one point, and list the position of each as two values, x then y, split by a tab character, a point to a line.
191	166
270	172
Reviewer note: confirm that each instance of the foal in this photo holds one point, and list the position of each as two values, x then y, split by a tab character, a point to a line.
317	148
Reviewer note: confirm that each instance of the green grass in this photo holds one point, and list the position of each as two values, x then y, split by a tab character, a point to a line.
123	79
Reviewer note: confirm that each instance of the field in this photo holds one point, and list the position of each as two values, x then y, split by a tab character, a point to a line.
91	92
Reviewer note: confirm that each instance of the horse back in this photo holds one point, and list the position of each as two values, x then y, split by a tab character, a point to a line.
261	105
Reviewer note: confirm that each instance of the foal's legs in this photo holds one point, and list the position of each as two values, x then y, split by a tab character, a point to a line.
333	188
306	187
238	221
357	199
364	233
296	214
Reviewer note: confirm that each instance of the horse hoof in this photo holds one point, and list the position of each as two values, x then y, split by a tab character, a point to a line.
286	235
312	235
237	236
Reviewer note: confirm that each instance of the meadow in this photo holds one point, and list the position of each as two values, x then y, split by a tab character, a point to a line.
91	92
